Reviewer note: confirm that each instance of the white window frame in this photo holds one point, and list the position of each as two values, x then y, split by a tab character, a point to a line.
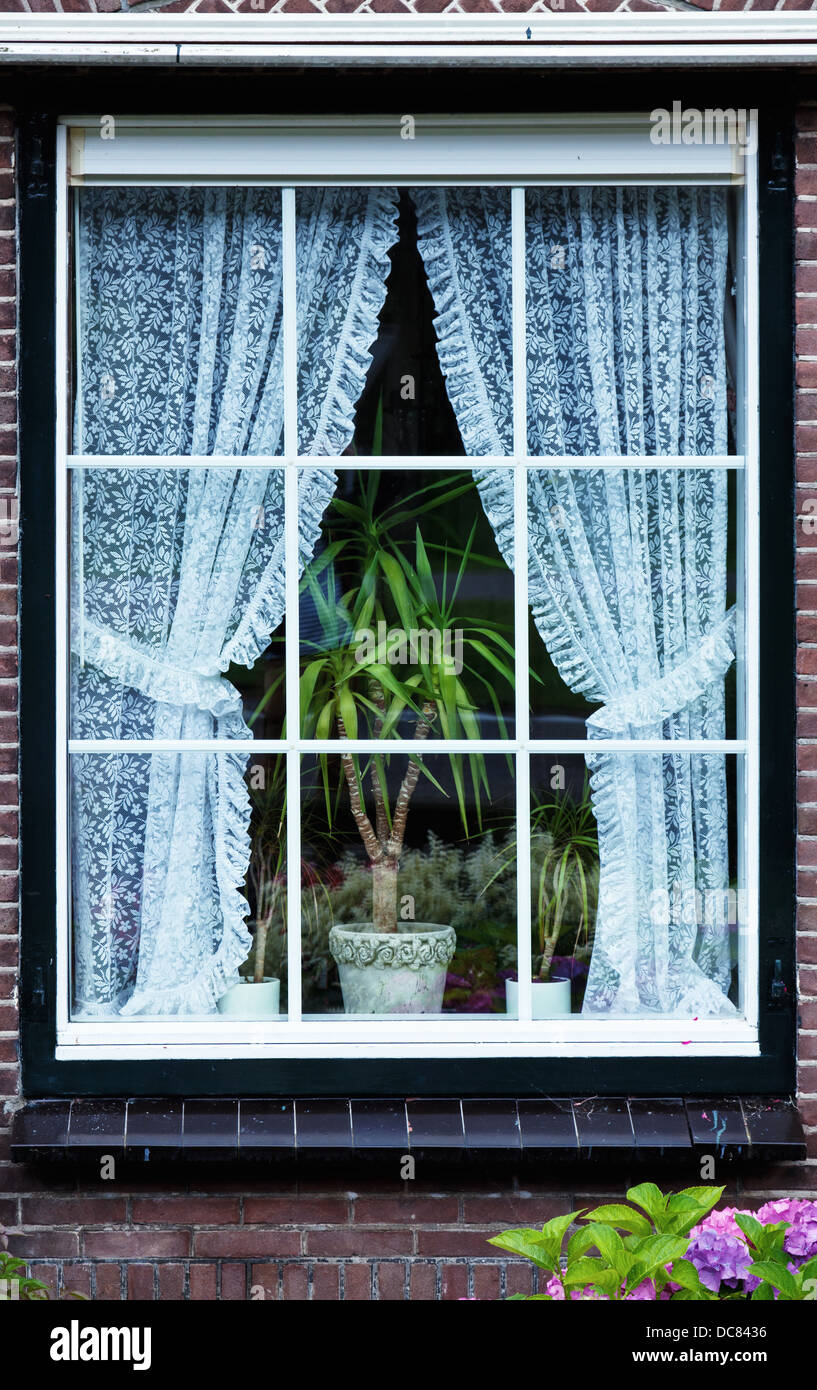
512	152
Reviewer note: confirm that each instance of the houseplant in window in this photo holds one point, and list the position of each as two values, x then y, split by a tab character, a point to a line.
257	995
564	856
396	656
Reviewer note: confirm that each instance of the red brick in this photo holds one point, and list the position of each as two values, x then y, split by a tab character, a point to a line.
77	1278
454	1281
513	1211
456	1242
390	1281
108	1282
47	1274
422	1281
325	1283
264	1282
73	1211
136	1244
185	1211
171	1276
295	1283
302	1211
9	1081
486	1282
518	1279
247	1244
141	1283
234	1282
50	1244
357	1283
409	1210
203	1285
359	1242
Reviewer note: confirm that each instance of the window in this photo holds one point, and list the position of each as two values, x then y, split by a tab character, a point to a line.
407	592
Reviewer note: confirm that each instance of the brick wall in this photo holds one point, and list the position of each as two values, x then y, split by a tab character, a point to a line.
424	7
207	1235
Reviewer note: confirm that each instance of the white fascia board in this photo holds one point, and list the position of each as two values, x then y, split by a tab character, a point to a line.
764	38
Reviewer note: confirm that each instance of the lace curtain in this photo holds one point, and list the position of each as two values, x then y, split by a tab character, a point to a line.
627	568
177	573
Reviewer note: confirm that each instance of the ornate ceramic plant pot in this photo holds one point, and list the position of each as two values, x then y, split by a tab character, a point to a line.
400	972
551	998
253	1002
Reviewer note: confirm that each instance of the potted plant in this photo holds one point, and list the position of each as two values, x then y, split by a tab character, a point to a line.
257	996
566	830
364	677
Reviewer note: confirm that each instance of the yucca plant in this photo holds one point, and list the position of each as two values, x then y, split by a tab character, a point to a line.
356	680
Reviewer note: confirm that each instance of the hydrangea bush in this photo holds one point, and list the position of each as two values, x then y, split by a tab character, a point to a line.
674	1246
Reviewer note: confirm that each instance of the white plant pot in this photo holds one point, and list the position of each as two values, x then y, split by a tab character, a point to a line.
551	998
253	1002
400	972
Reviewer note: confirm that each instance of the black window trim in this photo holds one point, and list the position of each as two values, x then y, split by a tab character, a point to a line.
43	1076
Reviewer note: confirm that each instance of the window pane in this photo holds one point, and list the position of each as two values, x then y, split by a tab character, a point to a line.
628	319
410	910
164	913
406	618
404	303
177	602
179	347
637	904
632	580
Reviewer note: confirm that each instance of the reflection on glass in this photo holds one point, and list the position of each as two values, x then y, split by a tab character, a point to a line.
406	617
408	884
162	926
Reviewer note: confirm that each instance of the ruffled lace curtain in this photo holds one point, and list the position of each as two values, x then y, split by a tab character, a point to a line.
627	568
178	573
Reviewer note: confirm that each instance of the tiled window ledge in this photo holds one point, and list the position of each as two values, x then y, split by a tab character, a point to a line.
588	1129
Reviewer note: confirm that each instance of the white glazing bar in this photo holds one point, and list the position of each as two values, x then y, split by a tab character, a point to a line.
63	865
750	935
417	463
522	702
185	461
396	745
291	645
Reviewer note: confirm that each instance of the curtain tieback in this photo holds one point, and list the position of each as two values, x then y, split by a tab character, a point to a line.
152	674
669	694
